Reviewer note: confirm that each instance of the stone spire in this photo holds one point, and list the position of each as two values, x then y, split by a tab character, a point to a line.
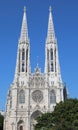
24	28
50	33
52	66
23	53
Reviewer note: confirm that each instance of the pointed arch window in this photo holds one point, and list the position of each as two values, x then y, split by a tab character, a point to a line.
26	59
51	54
23	54
22	97
19	60
23	67
55	58
10	102
27	53
48	60
52	67
52	97
47	54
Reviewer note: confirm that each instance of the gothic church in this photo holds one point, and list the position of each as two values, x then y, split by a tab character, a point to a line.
31	94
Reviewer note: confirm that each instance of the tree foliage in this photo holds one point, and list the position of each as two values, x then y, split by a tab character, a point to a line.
1	122
64	117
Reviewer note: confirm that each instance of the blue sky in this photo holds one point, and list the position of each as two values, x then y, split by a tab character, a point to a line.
65	18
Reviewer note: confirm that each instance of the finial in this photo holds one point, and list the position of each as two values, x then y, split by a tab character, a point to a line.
37	65
24	9
37	60
50	8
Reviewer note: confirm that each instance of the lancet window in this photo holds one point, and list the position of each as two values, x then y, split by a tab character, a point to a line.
48	60
23	67
55	59
52	97
22	97
19	60
51	54
10	102
26	59
52	68
23	54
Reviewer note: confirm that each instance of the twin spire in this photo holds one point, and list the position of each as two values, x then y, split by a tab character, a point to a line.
23	55
24	29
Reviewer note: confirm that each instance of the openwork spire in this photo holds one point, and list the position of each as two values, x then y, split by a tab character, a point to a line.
24	29
50	33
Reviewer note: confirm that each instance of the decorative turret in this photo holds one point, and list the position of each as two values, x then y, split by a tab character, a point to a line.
23	54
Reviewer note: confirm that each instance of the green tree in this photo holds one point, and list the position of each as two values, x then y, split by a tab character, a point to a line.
1	122
64	117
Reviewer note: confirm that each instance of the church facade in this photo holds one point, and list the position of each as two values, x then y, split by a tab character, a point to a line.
31	94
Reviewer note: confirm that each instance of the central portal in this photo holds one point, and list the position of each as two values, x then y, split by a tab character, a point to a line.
33	117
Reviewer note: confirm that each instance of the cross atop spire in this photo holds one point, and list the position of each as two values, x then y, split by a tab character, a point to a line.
24	9
24	28
50	33
50	8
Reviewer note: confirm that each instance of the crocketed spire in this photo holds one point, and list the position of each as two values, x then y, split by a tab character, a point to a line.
24	29
50	33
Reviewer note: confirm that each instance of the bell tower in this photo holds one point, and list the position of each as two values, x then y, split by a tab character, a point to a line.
23	53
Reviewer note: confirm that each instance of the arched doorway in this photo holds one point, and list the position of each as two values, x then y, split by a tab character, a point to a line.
20	125
33	117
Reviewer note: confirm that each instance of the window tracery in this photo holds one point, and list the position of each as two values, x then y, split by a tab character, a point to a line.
37	96
22	97
52	97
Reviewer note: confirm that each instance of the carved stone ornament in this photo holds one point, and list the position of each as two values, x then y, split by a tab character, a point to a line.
37	96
